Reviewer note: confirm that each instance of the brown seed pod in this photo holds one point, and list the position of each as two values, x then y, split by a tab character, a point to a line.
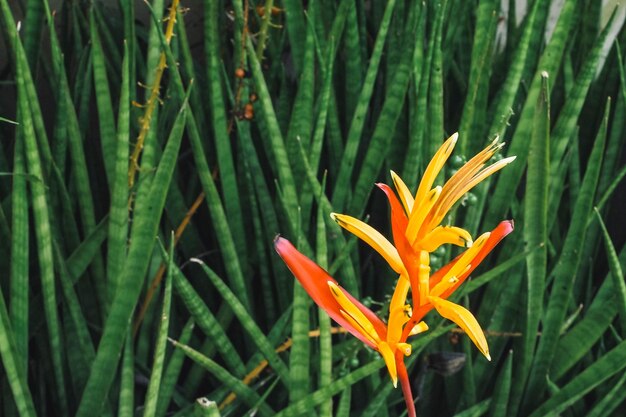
248	111
260	10
240	73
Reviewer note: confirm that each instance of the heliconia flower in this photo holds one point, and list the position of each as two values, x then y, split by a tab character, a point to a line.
417	231
348	312
388	339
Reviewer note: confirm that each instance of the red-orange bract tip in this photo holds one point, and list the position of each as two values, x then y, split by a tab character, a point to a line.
315	280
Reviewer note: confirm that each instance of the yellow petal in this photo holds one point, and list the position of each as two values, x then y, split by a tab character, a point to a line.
444	234
423	276
420	327
398	299
373	238
443	285
405	348
434	167
403	191
421	208
397	318
465	320
353	314
472	166
358	326
447	201
464	261
390	361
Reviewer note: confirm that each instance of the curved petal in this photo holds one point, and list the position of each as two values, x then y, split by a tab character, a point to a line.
398	299
399	223
420	327
460	267
352	313
390	360
441	235
399	219
372	237
415	326
496	235
446	203
397	318
465	320
403	191
434	167
315	282
421	213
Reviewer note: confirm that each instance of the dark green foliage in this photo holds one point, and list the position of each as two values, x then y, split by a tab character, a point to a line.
262	118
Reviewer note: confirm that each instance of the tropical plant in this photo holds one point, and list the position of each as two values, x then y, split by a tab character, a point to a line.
151	152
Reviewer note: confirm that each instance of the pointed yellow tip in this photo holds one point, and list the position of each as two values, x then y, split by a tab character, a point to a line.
469	243
333	216
508	160
451	143
420	327
395	382
488	356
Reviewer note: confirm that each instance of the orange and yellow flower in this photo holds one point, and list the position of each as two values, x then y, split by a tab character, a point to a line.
417	231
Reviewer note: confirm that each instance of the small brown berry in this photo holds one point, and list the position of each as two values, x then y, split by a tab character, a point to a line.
248	111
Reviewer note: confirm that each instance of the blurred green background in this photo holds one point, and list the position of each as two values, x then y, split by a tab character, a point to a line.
149	154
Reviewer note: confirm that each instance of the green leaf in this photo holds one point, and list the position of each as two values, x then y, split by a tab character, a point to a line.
355	133
43	233
207	322
117	239
19	236
282	167
502	390
127	383
228	175
173	371
231	382
616	273
565	272
159	352
13	365
263	344
325	344
602	369
381	137
143	233
103	101
475	105
611	400
549	63
536	228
